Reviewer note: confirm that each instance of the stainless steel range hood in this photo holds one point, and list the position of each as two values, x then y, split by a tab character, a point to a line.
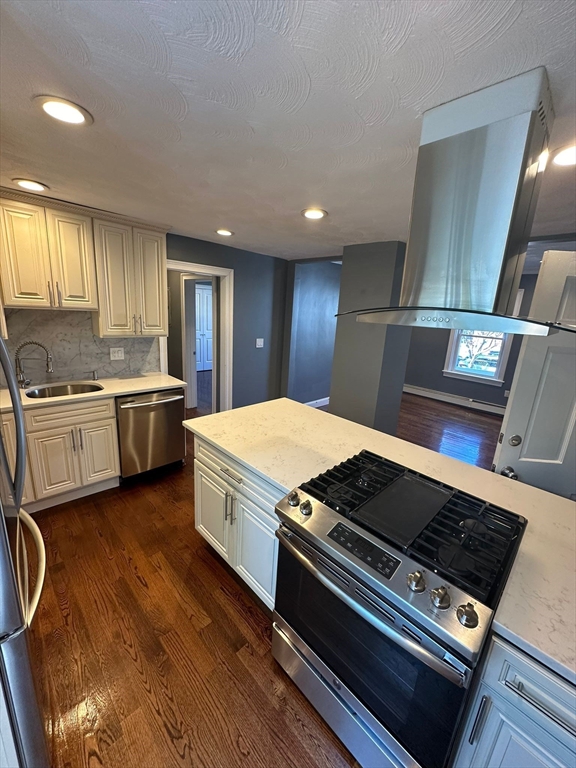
478	175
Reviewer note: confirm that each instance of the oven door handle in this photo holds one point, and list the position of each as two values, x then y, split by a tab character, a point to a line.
436	664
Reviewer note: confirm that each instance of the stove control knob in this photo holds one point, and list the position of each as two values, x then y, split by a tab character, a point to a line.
306	507
416	581
440	598
467	616
293	499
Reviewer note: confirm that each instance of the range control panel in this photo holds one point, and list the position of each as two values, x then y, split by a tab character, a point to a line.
382	562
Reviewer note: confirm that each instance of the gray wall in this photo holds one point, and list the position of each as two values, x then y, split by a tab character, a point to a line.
175	362
369	359
76	350
259	299
312	302
428	353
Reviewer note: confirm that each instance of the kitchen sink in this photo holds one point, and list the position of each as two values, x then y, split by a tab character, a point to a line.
61	390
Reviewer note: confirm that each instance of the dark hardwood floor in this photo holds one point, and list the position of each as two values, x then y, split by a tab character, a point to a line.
204	391
149	654
461	433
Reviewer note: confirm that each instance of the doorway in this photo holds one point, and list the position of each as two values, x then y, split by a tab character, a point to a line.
204	341
198	348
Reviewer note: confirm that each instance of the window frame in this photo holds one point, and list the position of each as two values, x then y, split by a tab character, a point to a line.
452	354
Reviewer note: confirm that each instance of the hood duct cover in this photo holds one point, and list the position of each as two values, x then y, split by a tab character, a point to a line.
478	175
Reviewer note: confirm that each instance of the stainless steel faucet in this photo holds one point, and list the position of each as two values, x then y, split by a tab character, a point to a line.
22	380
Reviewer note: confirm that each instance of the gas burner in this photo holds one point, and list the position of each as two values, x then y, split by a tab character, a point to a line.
453	557
474	526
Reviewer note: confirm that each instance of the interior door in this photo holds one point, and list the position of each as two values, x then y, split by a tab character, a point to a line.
189	341
203	327
539	437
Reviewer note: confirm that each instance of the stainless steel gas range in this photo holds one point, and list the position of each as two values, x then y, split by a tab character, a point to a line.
387	583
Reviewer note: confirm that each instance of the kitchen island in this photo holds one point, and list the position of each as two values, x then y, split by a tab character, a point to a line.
276	446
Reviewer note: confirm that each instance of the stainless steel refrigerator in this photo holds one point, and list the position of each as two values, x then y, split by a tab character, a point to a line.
22	742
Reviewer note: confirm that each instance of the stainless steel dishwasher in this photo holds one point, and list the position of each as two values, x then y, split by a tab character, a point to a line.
150	430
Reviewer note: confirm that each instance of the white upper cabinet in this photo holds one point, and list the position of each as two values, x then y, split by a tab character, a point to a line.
71	247
47	258
115	268
131	268
24	256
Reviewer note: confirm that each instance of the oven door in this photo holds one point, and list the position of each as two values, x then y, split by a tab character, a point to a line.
406	681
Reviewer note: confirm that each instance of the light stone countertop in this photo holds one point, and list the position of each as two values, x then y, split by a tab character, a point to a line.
146	382
287	443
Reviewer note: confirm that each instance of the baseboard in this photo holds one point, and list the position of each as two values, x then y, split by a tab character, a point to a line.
318	403
88	490
466	402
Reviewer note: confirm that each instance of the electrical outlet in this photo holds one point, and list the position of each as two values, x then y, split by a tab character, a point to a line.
507	393
116	353
259	343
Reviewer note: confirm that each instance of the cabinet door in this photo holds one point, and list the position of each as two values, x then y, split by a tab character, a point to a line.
3	326
24	260
72	260
506	738
9	434
212	509
54	460
256	548
151	282
114	269
98	443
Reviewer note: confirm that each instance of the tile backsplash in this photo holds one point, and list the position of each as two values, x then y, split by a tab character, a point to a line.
75	349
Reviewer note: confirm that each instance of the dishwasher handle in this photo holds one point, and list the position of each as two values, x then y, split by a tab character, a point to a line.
153	402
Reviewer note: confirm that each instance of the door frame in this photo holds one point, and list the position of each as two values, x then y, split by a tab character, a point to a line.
226	325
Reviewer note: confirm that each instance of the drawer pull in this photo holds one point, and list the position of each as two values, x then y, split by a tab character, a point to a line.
518	689
478	721
231	476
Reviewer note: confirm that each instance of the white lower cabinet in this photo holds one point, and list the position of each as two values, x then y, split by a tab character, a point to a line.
238	522
79	452
98	451
522	716
256	548
9	434
212	501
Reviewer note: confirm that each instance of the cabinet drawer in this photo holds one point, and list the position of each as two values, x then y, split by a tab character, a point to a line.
241	479
69	414
531	688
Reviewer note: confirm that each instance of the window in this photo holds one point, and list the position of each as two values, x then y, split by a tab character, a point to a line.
480	355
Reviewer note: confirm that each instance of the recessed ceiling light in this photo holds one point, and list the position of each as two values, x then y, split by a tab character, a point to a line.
64	110
35	186
566	156
224	232
314	213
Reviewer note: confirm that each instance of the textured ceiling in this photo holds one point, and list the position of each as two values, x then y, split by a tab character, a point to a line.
239	113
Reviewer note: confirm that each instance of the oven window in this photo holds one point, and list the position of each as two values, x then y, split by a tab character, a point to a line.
418	706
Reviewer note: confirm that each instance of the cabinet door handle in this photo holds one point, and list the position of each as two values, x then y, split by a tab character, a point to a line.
518	689
59	294
50	295
73	440
226	506
232	509
478	720
134	322
232	476
141	331
81	440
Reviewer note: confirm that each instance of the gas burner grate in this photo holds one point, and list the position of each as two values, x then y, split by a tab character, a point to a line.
472	543
349	484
